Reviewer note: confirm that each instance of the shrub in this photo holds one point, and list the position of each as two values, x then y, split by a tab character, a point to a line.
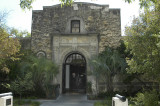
103	103
100	104
147	98
21	102
43	73
21	85
89	87
31	76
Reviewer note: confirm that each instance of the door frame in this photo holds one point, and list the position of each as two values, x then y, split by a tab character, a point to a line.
64	90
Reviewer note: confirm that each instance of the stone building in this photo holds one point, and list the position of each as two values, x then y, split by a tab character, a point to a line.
70	35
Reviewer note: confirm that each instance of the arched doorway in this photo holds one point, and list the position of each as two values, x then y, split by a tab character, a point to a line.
74	73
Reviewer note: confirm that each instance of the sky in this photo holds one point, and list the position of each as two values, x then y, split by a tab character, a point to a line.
21	20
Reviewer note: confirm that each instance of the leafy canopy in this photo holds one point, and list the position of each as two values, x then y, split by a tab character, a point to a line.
9	46
143	39
27	4
17	33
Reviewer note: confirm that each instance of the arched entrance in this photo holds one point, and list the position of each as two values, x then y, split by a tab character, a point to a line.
74	73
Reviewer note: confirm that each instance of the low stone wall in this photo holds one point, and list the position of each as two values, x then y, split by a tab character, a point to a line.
25	43
131	88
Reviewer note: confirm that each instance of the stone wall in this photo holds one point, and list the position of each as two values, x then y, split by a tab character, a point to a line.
51	34
25	43
94	18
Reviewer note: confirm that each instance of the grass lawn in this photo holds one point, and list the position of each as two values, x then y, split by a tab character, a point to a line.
103	103
22	102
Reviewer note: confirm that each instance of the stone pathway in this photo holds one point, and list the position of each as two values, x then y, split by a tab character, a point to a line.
68	100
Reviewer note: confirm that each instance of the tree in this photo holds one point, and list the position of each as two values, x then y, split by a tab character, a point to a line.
147	98
106	65
100	70
16	33
21	84
9	47
42	70
31	75
143	39
3	16
144	3
43	73
27	4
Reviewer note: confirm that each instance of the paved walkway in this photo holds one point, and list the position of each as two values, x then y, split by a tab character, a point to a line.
68	100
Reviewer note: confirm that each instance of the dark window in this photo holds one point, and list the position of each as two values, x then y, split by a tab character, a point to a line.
75	26
75	58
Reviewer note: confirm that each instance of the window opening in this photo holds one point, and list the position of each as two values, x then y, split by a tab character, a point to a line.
75	26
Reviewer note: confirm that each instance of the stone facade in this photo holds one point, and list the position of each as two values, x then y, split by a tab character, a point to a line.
51	34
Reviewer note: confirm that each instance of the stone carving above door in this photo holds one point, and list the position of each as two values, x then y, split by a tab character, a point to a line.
63	44
75	39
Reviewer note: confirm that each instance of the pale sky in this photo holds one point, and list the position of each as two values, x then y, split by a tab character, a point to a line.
22	19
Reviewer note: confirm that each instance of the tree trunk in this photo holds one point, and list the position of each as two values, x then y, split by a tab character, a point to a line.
109	85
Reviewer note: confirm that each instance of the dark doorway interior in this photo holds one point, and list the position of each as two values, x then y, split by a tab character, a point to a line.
74	74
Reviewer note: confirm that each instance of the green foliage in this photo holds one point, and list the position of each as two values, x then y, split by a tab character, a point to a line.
143	39
107	64
145	3
43	72
16	33
20	102
21	85
89	87
100	104
103	103
66	2
9	47
148	98
31	75
106	94
114	60
27	4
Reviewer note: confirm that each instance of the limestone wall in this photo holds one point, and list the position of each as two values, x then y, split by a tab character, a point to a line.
51	34
93	18
25	43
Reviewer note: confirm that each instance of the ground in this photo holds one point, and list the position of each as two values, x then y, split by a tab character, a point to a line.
68	100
